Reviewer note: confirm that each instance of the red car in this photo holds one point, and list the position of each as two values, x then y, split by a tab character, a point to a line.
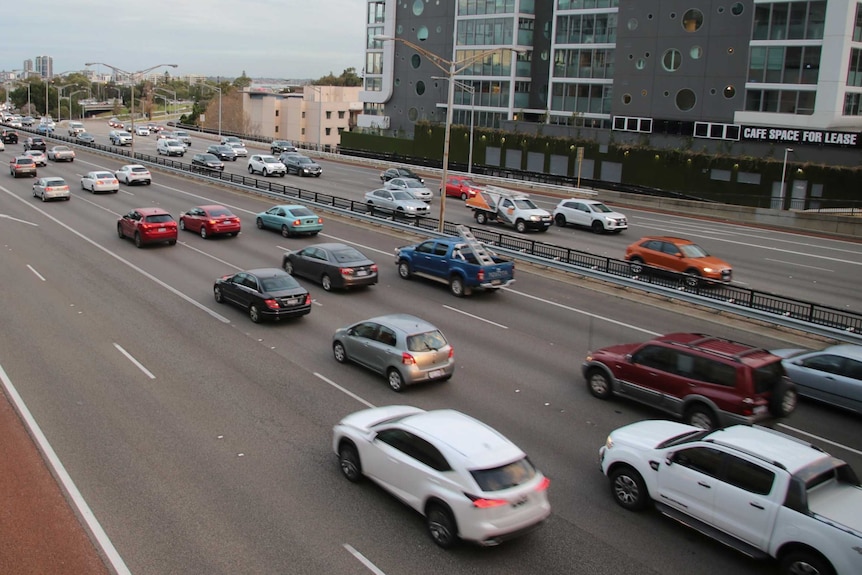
210	221
148	226
461	187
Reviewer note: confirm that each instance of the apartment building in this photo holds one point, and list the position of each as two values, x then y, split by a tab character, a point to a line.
785	72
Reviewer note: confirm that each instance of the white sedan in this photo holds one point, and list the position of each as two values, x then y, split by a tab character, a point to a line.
239	148
465	478
100	181
415	187
38	156
142	130
134	174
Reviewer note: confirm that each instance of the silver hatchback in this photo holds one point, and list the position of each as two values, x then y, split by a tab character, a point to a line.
404	348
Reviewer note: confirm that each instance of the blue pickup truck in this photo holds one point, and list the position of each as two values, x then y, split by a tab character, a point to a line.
453	261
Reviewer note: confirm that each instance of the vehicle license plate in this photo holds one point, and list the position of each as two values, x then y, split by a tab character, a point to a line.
435	373
361	273
163	229
292	301
495	282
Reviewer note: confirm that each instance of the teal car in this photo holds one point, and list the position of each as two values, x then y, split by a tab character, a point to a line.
291	220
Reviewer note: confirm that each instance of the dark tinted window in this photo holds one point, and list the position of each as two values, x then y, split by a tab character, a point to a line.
159	218
301	212
415	447
825	362
510	475
712	371
703	459
748	476
278	283
347	255
367	330
656	357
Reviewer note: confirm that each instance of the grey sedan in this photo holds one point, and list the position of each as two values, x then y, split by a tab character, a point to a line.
415	187
404	348
832	375
332	265
398	202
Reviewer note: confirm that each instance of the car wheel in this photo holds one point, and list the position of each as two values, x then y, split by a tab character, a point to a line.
250	169
456	286
43	197
326	282
628	488
441	526
204	231
265	173
481	218
560	220
259	223
348	459
783	400
120	232
254	313
396	382
691	279
285	231
637	265
182	224
700	416
520	226
288	266
404	270
599	383
138	242
597	227
339	352
463	196
803	562
219	297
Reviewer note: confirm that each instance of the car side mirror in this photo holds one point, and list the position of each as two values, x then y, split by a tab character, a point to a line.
669	459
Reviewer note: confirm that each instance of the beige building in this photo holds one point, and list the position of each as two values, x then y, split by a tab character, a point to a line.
314	115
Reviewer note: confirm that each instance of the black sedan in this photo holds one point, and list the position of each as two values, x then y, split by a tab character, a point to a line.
206	163
85	138
387	175
266	293
222	152
332	265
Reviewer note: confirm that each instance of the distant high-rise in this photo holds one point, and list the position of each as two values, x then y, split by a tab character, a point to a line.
28	67
45	66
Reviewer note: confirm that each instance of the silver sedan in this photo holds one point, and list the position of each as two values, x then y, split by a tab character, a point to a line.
400	202
832	375
415	187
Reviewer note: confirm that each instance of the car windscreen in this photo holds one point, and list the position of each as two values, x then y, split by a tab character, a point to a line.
139	169
428	341
403	196
347	255
55	182
601	208
414	184
505	477
301	212
279	283
24	161
158	219
271	160
525	204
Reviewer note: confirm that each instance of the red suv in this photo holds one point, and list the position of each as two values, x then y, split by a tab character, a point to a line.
707	381
147	226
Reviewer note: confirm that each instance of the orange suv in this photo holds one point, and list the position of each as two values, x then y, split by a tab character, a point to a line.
707	381
677	255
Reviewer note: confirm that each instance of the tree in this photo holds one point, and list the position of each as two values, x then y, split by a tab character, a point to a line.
347	78
242	82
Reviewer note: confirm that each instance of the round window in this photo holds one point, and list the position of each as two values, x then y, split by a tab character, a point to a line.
412	114
685	99
737	9
729	92
420	88
627	99
671	60
692	20
696	52
632	24
422	33
418	7
640	64
415	61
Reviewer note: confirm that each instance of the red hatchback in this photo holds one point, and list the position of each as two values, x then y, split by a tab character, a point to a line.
147	226
461	187
210	221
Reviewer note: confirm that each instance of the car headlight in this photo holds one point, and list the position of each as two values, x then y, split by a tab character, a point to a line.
609	442
708	270
535	218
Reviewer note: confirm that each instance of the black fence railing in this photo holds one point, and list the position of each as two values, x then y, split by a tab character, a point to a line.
800	310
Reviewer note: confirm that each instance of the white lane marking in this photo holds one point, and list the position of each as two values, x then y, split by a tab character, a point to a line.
38	275
800	265
121	259
345	391
363	246
203	253
137	363
586	313
97	534
475	317
823	439
362	559
19	221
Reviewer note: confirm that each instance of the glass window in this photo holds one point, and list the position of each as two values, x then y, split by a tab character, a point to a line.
852	104
826	362
749	476
705	460
854	68
499	478
857	24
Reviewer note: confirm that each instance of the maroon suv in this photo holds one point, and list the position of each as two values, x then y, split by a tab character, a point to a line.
706	381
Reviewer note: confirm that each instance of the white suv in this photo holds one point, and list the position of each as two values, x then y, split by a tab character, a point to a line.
170	147
465	478
591	214
266	165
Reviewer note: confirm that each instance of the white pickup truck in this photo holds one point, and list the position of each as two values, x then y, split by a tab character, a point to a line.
762	492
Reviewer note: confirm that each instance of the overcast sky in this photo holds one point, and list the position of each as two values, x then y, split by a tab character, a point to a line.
265	38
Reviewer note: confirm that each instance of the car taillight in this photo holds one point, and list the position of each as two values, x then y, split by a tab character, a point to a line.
271	303
347	271
320	221
407	359
451	352
481	275
483	503
297	222
374	268
212	222
308	299
543	484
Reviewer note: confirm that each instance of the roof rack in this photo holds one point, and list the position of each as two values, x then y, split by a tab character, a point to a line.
698	344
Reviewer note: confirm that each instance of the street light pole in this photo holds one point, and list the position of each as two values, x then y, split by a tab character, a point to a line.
451	68
468	88
781	194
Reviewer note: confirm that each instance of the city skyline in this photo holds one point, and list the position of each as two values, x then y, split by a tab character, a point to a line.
211	38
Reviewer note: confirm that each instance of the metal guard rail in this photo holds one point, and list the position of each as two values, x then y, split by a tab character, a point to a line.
790	312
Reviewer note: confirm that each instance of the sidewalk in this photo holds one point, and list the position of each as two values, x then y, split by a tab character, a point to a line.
39	532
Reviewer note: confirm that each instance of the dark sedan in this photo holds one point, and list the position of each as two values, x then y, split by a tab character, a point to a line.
266	293
207	163
222	152
387	175
333	266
